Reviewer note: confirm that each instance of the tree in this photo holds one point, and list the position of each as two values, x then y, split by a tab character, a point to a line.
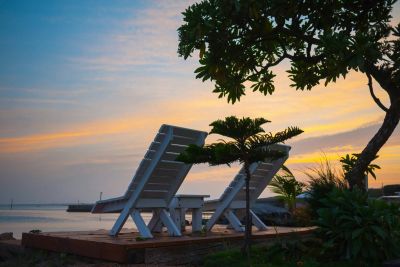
241	40
249	143
287	187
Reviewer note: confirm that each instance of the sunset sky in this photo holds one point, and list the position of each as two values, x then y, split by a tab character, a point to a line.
85	85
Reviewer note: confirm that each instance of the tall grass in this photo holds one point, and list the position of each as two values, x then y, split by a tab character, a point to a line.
322	180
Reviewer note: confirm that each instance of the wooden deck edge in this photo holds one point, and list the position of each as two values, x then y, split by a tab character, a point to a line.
86	248
205	239
138	252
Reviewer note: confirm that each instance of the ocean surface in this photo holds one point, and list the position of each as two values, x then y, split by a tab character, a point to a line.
52	218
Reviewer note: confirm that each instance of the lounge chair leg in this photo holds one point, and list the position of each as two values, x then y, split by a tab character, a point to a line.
234	221
141	225
123	216
155	224
178	216
175	216
214	218
166	219
197	219
257	221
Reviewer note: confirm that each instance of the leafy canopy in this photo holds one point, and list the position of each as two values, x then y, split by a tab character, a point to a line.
241	40
249	142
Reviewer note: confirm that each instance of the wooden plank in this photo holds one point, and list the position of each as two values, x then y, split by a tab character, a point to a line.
98	250
167	156
161	176
187	132
175	148
154	194
156	186
170	165
176	139
165	172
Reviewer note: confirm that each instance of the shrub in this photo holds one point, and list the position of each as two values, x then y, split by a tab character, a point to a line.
375	192
355	228
293	253
323	179
287	187
302	216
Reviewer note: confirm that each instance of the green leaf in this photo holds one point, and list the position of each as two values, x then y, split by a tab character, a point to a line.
356	233
378	230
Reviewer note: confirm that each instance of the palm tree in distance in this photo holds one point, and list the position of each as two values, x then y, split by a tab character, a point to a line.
248	143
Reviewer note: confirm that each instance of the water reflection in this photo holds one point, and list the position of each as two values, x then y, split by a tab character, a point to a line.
23	218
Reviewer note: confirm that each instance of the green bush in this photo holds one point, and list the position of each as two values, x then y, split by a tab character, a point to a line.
323	179
355	228
302	217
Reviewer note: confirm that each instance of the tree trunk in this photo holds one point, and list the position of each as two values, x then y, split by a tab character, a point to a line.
356	175
248	223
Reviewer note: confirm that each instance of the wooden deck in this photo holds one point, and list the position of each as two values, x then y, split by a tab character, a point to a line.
162	249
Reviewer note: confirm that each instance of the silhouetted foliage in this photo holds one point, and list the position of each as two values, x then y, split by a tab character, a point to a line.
241	41
357	228
349	161
287	187
323	179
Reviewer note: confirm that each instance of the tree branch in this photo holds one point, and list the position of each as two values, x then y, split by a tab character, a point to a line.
371	90
276	62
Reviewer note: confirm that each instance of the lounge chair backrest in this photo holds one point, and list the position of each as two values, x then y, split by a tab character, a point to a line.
234	196
159	176
261	175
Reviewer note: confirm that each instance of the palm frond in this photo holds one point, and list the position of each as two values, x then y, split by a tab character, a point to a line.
268	139
213	154
238	129
194	154
224	153
286	170
287	188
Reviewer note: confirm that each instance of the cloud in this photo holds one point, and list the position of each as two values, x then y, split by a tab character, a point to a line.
81	134
354	139
147	39
309	152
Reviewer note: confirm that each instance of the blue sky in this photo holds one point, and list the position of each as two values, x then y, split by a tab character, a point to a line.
84	86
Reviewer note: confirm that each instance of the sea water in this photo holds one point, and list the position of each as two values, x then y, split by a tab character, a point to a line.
52	218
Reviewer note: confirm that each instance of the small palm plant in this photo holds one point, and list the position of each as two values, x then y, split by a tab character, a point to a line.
248	143
348	163
287	187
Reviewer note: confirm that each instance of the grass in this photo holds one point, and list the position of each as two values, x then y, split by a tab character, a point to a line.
273	256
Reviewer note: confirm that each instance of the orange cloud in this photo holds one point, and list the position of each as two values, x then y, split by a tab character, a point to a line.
80	134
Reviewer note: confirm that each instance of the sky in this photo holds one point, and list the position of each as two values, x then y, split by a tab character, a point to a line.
85	86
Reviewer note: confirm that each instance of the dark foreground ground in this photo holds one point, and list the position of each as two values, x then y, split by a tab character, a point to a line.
12	254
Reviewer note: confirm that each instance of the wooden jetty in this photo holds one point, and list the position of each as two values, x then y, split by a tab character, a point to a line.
128	247
80	207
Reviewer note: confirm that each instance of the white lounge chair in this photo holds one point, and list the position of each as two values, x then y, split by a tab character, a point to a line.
234	196
155	182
